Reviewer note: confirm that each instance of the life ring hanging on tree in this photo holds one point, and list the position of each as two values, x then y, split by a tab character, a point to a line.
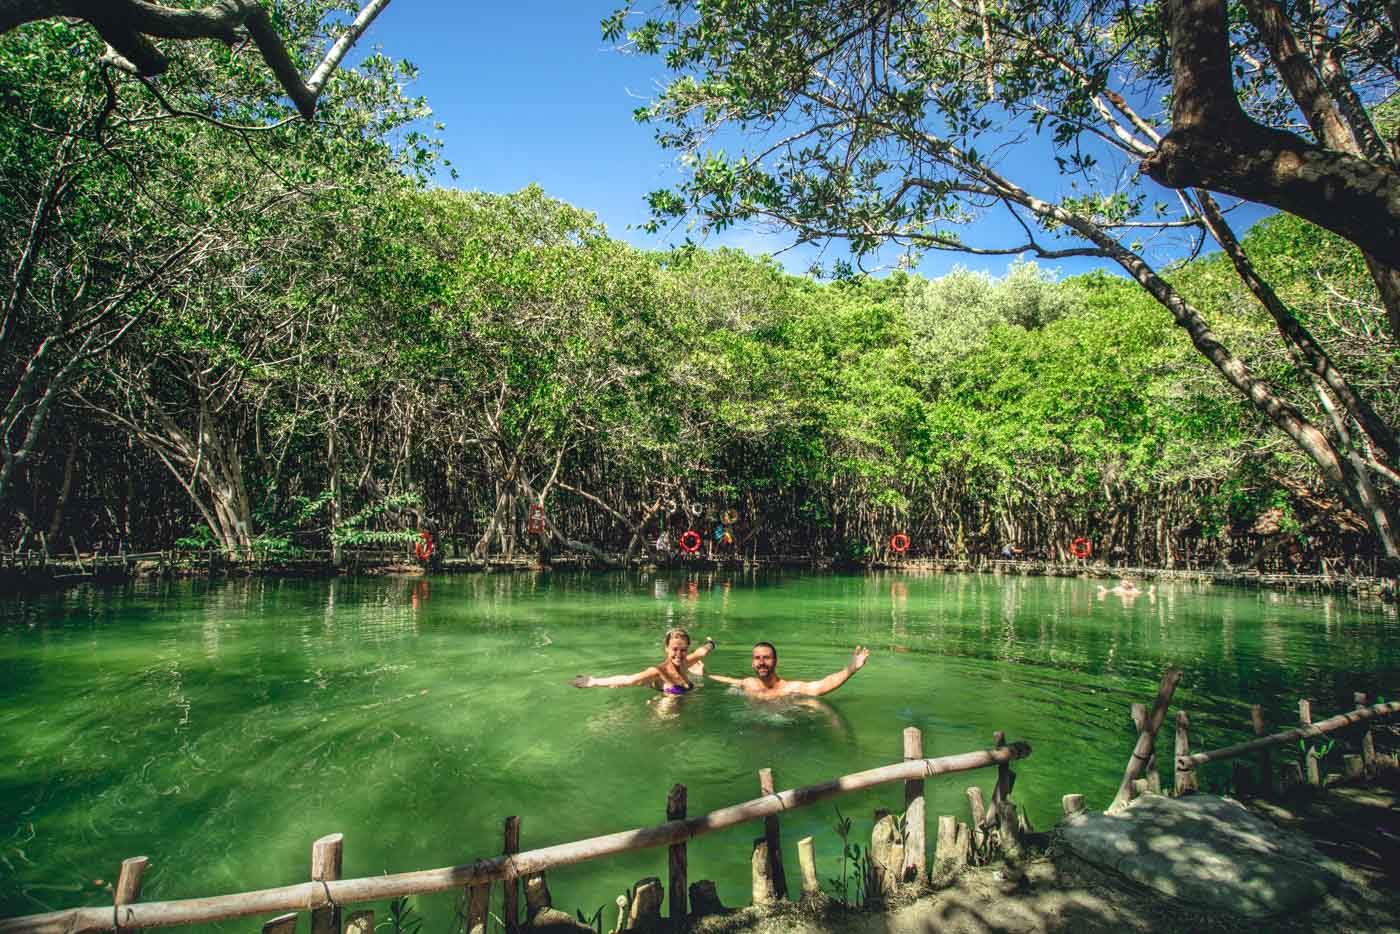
535	524
1081	548
899	543
690	541
423	548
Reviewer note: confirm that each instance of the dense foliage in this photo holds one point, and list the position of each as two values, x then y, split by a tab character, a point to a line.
282	338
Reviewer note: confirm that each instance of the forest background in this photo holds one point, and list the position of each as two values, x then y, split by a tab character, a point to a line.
229	327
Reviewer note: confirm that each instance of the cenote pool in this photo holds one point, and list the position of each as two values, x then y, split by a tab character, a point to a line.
220	728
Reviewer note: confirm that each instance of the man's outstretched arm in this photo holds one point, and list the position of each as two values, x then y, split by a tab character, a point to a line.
724	679
837	678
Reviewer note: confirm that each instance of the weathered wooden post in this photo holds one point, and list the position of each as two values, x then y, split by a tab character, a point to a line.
1368	742
762	873
915	826
1147	739
807	862
478	907
128	887
947	854
1185	778
978	811
886	855
511	904
1154	777
325	867
772	837
1266	766
1309	760
676	882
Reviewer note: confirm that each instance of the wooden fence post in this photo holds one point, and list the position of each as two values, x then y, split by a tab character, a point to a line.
915	826
325	867
978	810
1154	777
762	868
807	862
777	878
676	882
128	887
1368	742
1147	739
511	910
1266	765
1309	760
1185	778
478	907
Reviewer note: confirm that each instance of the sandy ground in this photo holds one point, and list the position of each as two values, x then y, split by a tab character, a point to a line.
1358	827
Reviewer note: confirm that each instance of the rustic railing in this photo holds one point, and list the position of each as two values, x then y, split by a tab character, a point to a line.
1141	774
327	892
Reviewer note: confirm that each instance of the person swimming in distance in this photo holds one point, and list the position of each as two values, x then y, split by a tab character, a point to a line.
1127	589
671	676
766	685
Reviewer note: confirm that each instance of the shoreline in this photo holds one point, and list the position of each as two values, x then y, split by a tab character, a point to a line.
32	573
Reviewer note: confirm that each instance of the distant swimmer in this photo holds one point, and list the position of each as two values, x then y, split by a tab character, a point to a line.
671	676
766	685
1127	589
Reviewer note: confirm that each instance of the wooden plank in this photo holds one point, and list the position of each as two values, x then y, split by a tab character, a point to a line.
128	888
325	867
1154	777
511	909
677	883
1368	742
773	837
1147	738
1185	778
1321	728
915	823
379	888
1265	763
807	862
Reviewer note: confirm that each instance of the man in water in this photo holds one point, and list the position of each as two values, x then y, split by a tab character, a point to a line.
768	686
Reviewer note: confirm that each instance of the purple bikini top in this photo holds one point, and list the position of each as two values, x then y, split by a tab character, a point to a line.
675	689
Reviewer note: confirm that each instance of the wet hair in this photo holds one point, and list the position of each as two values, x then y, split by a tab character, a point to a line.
769	647
672	633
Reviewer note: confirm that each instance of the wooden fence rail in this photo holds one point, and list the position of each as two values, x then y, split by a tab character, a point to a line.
1321	728
333	893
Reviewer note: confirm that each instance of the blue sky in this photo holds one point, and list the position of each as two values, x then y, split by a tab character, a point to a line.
530	93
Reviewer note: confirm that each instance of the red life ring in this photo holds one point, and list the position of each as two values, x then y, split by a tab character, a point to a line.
424	549
1081	548
690	541
899	543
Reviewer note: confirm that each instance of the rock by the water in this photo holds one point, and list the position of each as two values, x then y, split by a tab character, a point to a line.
1205	850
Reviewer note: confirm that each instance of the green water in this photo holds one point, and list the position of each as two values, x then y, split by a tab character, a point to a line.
220	729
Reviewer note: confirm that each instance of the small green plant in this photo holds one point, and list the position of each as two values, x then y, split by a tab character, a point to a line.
595	922
856	866
1318	751
201	538
402	918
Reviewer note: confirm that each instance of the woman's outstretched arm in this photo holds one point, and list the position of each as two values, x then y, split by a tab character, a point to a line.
618	681
706	648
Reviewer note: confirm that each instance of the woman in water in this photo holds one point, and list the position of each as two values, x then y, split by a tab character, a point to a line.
671	676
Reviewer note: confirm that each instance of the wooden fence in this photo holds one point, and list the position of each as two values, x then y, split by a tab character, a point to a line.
326	893
1308	772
